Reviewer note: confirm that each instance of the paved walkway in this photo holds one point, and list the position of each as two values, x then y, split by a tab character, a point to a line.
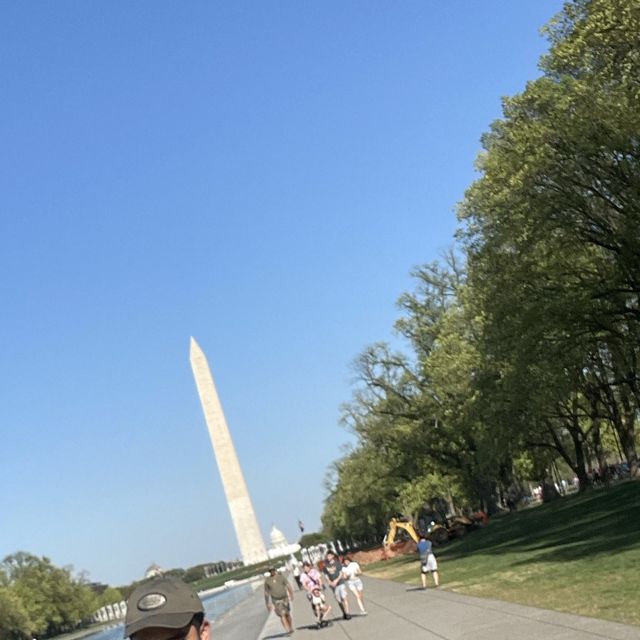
400	611
244	622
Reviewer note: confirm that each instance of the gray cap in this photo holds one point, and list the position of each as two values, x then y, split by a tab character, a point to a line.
161	602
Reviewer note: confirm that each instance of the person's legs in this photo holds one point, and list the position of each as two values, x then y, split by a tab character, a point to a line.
357	592
281	608
343	601
423	576
336	595
432	565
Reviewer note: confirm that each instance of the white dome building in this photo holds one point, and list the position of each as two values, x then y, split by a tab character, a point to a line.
277	538
279	544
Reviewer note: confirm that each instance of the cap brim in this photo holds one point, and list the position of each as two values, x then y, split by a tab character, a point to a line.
162	620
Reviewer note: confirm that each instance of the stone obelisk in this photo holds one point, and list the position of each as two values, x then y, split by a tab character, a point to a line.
242	513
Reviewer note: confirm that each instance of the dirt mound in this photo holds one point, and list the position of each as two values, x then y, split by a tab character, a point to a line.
366	557
403	548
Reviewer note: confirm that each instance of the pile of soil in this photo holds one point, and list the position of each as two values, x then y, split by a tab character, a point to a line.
402	548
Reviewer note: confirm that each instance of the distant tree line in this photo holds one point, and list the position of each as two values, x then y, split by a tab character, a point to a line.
313	539
524	341
38	599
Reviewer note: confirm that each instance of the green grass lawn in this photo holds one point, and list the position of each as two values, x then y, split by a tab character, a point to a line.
580	554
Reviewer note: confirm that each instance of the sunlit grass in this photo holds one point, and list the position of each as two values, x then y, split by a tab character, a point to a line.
579	555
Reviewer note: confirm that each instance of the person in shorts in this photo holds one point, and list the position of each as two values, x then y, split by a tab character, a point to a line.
333	571
351	571
165	608
320	607
277	596
428	562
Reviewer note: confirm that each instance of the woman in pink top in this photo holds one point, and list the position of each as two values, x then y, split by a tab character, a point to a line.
310	579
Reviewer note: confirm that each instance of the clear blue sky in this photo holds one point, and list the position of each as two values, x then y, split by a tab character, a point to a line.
260	175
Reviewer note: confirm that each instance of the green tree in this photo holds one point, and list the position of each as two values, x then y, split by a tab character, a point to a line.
54	600
551	225
532	348
15	623
312	539
110	595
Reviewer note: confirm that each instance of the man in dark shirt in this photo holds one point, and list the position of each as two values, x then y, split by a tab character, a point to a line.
277	589
333	571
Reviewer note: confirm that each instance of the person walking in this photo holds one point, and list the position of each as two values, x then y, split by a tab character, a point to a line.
333	571
428	562
296	573
310	578
165	608
278	595
351	571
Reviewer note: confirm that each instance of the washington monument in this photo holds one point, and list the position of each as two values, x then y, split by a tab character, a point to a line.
235	489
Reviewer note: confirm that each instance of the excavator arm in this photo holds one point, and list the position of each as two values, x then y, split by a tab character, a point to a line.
394	525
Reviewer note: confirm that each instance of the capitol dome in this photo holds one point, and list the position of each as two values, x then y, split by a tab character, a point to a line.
277	538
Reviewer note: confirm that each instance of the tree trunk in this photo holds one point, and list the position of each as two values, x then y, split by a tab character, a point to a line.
549	491
626	433
599	450
580	468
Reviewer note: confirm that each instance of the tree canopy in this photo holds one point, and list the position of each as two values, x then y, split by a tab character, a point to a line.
523	343
40	599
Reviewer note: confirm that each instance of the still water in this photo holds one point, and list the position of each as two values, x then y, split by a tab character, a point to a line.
214	605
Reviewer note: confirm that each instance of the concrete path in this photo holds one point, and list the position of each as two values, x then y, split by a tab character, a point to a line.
401	611
244	622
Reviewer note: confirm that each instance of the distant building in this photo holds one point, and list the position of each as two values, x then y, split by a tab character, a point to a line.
279	544
153	571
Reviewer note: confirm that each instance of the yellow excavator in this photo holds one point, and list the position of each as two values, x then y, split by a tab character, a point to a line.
438	533
403	525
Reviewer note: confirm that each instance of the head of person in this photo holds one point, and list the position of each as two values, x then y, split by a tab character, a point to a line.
306	567
272	571
165	608
330	557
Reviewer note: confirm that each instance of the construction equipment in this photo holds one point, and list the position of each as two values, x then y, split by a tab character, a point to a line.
439	533
403	524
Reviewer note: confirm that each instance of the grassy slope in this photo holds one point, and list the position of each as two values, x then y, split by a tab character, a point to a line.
580	554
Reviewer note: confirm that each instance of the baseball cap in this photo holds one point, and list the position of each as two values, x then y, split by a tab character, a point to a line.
161	602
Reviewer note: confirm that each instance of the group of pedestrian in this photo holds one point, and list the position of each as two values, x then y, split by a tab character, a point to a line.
341	576
166	608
